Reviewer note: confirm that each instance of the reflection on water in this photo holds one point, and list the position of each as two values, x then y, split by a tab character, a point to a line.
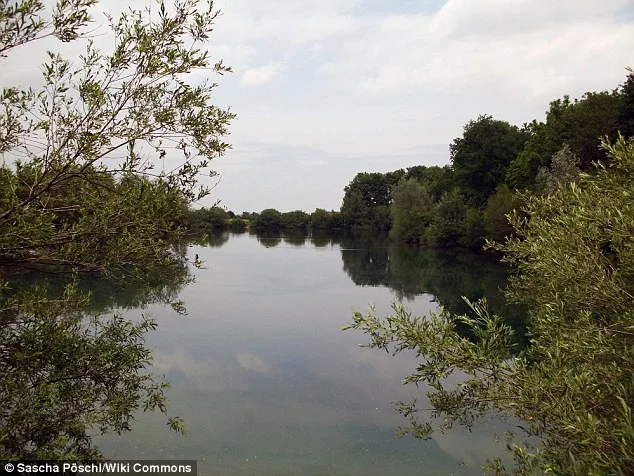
266	381
67	365
261	373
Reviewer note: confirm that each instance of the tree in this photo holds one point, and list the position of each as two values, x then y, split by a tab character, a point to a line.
496	223
626	115
437	180
132	103
366	200
564	169
480	157
411	210
572	386
448	224
268	220
92	181
580	123
296	220
521	172
354	211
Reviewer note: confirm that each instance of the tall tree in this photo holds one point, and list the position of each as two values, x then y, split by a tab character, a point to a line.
626	116
480	157
437	180
366	201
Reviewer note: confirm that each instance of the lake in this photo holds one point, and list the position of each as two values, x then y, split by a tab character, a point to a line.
267	382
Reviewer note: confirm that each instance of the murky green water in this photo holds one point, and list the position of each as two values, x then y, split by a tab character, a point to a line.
268	383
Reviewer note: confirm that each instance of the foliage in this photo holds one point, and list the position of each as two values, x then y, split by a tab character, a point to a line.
564	169
412	210
64	374
626	115
372	187
474	229
480	157
366	200
70	200
237	225
436	180
321	219
295	220
268	220
521	172
580	124
99	166
499	205
448	224
206	219
572	386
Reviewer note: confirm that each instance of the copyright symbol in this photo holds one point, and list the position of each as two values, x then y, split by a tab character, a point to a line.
9	468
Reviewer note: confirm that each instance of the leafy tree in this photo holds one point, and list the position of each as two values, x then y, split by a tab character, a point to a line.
354	211
580	123
564	169
132	101
65	372
572	386
496	223
268	220
521	172
372	187
101	162
206	219
411	210
237	225
626	115
480	157
448	225
436	180
366	200
474	228
297	220
321	219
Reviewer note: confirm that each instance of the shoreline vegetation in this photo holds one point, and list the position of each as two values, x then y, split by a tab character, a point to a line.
494	168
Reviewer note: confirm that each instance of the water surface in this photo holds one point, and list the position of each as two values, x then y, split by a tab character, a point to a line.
266	381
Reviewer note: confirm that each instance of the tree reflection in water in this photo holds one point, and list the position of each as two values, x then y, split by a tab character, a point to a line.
71	365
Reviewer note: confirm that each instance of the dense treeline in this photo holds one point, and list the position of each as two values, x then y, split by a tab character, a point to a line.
467	201
206	220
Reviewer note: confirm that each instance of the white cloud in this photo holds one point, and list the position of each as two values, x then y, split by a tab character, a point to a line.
261	75
533	48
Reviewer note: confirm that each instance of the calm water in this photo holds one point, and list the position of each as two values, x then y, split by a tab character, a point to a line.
266	381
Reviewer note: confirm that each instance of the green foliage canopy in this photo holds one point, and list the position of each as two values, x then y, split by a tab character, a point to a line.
480	157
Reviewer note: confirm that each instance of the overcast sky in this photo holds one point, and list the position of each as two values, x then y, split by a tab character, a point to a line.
324	89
